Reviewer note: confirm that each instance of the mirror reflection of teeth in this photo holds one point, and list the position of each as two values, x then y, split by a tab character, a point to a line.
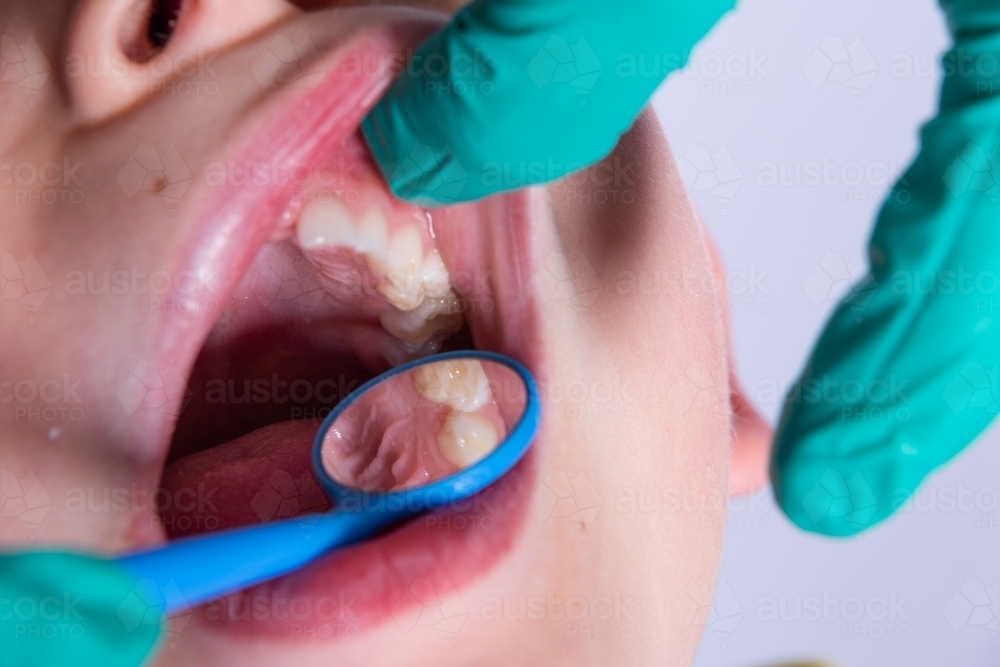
466	438
422	306
458	383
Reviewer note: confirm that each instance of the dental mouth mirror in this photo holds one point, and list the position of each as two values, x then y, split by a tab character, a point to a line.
416	438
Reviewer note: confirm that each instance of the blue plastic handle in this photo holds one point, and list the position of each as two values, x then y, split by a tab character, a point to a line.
194	570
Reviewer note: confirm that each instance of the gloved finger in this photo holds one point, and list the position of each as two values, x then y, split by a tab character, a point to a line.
905	374
70	609
969	18
521	92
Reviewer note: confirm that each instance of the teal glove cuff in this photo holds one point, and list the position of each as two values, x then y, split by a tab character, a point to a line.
60	609
905	374
521	92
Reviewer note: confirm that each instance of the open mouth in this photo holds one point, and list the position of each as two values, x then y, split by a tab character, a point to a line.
321	281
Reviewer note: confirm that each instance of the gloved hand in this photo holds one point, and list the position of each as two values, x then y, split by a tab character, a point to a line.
905	374
521	92
59	609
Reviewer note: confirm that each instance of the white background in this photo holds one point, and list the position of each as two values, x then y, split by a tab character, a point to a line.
790	251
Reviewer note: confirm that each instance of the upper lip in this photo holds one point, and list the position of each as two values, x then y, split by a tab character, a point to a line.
233	221
231	225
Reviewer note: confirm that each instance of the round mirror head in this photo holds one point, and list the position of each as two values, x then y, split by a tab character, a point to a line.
422	422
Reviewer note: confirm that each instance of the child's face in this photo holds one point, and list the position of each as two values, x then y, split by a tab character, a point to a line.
159	300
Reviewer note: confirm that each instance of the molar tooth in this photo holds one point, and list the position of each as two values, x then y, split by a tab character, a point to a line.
396	353
466	438
405	250
373	236
433	315
434	275
327	224
459	383
404	260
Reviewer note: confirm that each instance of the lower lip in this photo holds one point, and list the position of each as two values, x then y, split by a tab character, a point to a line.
385	579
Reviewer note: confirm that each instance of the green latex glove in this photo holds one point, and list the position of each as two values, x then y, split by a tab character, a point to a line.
59	609
905	374
521	92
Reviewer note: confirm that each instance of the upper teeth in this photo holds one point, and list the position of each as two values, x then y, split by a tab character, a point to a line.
373	236
327	224
415	283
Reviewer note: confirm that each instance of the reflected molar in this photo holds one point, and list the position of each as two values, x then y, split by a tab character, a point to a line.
459	383
466	438
424	309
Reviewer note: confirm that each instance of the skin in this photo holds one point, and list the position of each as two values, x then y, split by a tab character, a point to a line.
663	439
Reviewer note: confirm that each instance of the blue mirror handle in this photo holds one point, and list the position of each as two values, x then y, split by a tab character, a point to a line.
194	570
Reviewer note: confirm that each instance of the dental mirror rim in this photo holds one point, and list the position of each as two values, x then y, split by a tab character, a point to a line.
453	487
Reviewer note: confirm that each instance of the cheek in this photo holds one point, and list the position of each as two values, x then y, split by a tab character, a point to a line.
632	481
643	376
638	393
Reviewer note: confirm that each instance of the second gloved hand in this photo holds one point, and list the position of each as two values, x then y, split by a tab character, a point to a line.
905	374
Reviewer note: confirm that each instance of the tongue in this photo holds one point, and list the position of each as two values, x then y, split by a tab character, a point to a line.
263	476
